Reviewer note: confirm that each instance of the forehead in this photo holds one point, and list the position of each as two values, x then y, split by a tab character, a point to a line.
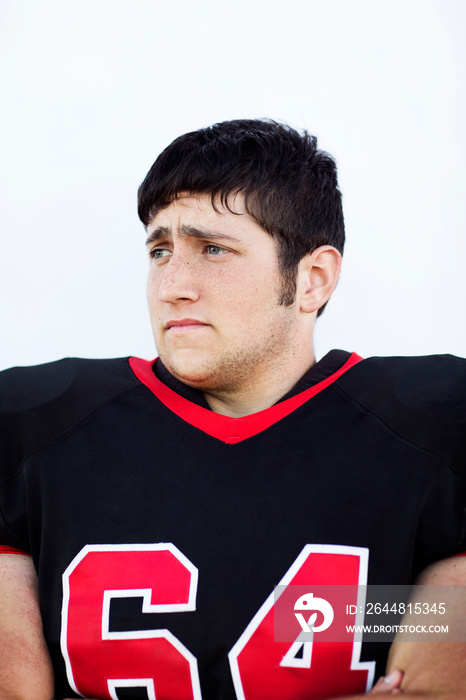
198	210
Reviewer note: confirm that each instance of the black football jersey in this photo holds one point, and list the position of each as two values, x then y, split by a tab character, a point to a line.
159	529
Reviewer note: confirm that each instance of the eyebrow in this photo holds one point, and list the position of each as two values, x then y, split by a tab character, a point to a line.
189	231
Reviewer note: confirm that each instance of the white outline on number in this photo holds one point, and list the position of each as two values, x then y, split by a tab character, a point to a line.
147	607
147	683
356	664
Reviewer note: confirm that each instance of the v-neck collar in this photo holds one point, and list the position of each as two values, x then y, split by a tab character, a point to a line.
226	428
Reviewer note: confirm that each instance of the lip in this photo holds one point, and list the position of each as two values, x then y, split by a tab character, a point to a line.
184	324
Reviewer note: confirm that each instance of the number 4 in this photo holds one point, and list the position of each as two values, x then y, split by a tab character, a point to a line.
264	669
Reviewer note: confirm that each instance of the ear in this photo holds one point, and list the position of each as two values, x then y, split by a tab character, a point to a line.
318	274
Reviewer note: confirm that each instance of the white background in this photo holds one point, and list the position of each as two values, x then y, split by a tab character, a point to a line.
92	90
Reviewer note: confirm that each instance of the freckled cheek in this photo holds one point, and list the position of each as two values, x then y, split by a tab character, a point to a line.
215	282
239	302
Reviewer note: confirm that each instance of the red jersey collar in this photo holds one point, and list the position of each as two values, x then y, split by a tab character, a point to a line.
225	428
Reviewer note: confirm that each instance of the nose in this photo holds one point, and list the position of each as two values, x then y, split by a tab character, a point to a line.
179	280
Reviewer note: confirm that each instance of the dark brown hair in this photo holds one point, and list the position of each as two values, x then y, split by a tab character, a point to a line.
290	187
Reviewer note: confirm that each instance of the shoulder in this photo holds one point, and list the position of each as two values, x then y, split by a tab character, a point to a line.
38	403
44	383
415	382
26	389
422	399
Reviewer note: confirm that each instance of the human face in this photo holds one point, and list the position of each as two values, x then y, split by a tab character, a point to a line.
214	293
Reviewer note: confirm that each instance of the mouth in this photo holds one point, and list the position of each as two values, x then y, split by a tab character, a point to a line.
184	324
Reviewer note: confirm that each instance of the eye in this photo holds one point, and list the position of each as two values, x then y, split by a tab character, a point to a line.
215	250
159	253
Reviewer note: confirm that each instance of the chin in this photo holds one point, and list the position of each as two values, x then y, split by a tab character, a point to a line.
190	371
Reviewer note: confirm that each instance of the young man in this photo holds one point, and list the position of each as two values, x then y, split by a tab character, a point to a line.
148	510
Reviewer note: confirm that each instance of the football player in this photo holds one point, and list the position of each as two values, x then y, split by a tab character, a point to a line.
149	509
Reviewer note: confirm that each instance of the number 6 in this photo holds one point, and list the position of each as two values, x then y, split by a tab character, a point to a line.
153	659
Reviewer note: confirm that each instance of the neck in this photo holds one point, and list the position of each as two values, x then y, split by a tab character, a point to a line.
258	394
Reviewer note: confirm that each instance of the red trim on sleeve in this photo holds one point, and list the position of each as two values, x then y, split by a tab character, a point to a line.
5	549
225	428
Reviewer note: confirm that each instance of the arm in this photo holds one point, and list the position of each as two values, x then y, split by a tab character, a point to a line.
436	669
25	667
